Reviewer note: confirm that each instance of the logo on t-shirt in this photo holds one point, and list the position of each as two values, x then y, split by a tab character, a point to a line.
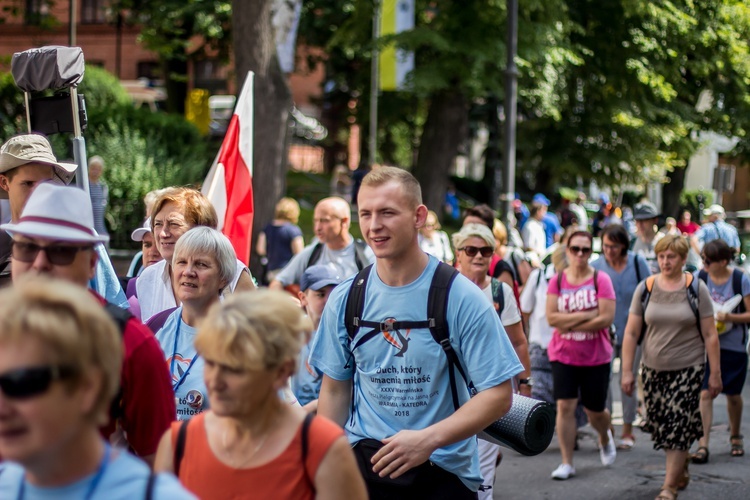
180	366
396	338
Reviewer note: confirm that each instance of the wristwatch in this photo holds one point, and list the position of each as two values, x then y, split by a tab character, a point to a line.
524	381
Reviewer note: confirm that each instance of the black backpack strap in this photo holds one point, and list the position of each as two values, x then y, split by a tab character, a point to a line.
596	283
360	257
637	264
306	443
315	255
437	306
693	299
150	486
737	275
179	447
703	276
648	286
498	296
121	317
355	302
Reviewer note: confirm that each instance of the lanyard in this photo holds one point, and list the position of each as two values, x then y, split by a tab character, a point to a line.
94	482
176	385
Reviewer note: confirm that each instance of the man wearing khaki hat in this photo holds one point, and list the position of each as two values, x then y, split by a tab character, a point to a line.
25	161
715	229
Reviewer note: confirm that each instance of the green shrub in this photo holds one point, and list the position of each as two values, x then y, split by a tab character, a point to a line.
689	201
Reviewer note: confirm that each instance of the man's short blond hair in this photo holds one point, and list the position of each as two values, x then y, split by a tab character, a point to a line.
407	181
260	330
73	327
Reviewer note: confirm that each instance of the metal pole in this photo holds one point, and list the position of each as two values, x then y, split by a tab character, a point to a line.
72	27
511	102
374	83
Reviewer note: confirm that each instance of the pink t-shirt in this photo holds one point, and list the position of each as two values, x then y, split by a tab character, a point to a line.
581	348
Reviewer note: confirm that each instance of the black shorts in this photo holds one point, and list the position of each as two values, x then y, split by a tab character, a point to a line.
591	382
733	372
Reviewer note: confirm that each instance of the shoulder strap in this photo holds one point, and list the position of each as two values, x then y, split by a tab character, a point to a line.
306	444
355	302
637	265
645	297
155	322
437	305
498	296
737	275
596	282
691	285
119	315
150	486
179	448
703	276
516	272
315	255
360	257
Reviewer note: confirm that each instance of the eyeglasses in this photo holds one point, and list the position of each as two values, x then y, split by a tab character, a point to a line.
29	382
611	247
58	255
581	250
472	251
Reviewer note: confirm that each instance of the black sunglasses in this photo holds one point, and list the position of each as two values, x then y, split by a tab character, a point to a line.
29	382
581	250
472	251
58	255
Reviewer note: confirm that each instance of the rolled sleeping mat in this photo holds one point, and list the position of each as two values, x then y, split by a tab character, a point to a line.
527	427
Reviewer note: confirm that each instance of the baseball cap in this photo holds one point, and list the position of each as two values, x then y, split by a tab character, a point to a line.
317	277
60	213
540	199
714	210
138	234
32	148
645	211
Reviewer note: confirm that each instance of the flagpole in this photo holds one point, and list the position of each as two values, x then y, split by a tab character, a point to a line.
374	82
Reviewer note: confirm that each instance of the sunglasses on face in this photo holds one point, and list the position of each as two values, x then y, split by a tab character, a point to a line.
58	255
472	251
29	382
580	250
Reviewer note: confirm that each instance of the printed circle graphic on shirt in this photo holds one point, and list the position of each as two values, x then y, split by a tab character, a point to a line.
396	338
194	399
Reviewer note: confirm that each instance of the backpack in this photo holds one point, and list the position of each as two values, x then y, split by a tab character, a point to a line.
736	290
437	304
360	258
691	286
121	317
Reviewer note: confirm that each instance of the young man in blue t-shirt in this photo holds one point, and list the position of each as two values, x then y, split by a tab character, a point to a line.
392	393
316	285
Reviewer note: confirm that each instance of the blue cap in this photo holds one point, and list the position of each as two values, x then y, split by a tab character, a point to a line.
540	199
603	198
317	277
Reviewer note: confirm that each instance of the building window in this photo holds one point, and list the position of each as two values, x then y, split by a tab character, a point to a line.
36	12
93	11
148	69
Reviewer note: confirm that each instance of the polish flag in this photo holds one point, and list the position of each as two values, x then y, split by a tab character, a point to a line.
229	183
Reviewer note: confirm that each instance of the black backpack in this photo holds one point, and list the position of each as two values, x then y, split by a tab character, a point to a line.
437	304
737	290
692	295
360	258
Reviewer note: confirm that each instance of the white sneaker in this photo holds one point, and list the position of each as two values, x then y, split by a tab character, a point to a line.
608	453
563	471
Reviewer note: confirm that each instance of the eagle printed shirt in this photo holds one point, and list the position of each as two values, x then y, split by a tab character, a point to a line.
401	378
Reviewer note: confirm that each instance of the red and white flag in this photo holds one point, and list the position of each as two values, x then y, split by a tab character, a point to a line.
229	183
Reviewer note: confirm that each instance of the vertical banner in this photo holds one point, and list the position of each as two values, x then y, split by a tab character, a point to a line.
395	64
229	183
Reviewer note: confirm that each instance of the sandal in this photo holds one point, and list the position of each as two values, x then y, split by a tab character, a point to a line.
700	456
626	442
666	494
737	443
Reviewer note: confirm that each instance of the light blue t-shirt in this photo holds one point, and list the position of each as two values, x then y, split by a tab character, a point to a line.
306	381
624	284
124	478
105	281
718	230
185	359
401	379
733	339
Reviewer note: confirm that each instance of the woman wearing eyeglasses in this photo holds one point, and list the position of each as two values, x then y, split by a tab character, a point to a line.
724	283
475	245
60	356
580	308
675	342
251	444
202	265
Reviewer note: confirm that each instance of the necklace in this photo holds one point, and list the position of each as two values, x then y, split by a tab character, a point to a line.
254	452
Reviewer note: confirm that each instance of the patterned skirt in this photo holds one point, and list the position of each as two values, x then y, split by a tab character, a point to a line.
672	401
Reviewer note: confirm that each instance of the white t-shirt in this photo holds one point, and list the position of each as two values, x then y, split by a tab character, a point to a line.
533	236
437	245
534	302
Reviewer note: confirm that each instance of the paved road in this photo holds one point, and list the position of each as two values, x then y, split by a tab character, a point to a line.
637	474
